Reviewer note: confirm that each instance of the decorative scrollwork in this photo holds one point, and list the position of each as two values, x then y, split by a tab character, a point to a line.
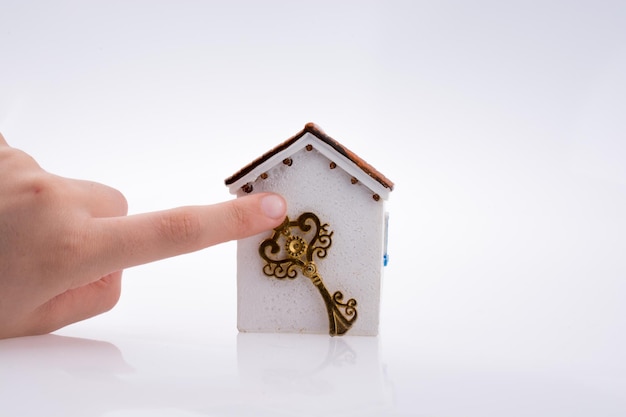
349	306
313	239
302	240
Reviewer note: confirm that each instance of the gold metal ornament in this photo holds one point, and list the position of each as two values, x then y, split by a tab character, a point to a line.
291	248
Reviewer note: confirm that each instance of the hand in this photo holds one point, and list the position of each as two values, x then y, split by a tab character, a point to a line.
65	242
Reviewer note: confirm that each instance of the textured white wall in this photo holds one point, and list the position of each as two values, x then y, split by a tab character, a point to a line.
353	264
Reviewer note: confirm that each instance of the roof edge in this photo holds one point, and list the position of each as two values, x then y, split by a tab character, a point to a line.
320	134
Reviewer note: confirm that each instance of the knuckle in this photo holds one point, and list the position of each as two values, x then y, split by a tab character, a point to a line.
179	226
44	192
109	290
123	204
41	186
238	220
116	202
119	203
13	158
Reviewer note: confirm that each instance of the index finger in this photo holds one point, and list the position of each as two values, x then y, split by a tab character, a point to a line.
122	242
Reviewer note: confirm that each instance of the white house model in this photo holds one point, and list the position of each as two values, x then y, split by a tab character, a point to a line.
321	270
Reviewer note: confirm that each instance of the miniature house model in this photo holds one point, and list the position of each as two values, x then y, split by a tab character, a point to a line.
321	270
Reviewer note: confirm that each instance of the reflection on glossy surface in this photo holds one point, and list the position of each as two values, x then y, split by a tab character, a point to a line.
59	375
292	374
64	376
84	357
313	374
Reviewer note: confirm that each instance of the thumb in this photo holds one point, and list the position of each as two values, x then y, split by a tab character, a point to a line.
122	242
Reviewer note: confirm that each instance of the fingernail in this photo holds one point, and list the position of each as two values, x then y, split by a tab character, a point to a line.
273	206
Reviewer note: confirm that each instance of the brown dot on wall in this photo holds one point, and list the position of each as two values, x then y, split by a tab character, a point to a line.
287	161
264	176
354	180
309	147
247	188
333	165
376	197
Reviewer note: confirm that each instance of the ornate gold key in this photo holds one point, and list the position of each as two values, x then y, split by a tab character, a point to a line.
291	248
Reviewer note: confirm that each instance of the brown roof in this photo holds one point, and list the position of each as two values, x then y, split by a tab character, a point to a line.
319	133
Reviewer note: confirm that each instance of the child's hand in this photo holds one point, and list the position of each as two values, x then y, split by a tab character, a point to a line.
65	242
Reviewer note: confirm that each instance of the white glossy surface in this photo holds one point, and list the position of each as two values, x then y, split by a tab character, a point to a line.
501	124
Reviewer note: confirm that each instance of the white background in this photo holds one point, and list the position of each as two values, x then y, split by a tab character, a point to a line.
501	123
